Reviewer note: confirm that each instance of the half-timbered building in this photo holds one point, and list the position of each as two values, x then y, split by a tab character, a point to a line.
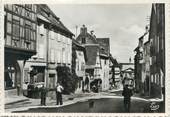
20	42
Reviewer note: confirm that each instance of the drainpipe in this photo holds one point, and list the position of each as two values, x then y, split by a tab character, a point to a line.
47	55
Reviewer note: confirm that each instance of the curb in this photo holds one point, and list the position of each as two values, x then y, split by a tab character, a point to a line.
23	100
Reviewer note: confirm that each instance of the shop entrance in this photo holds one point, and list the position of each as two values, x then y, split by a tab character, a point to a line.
12	77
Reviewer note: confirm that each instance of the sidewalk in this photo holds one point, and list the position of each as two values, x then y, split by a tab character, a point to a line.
15	99
24	103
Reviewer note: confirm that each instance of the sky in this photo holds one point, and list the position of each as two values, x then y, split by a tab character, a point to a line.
122	23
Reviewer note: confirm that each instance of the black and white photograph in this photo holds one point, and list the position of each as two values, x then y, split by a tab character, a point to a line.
84	58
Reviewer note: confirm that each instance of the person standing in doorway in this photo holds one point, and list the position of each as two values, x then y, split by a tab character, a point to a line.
83	86
18	89
59	90
87	83
43	96
127	93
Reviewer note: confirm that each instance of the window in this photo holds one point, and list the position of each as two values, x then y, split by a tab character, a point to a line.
9	27
151	42
58	56
151	78
83	40
9	17
52	35
28	14
105	62
28	6
52	56
59	37
41	29
63	55
41	51
15	28
27	32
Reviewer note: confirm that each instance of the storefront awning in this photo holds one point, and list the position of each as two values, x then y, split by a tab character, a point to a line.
38	65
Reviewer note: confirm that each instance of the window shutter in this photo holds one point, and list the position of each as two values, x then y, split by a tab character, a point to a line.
52	56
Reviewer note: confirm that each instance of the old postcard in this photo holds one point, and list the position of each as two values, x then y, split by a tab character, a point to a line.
77	57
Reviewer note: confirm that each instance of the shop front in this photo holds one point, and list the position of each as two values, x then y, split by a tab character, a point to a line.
12	78
34	78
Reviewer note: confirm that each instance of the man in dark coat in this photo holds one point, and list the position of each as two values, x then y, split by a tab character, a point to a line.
127	93
87	83
43	95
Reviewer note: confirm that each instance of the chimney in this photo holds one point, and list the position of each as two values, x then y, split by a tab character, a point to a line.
91	32
83	29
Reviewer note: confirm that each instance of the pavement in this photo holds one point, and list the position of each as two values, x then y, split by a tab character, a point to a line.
15	99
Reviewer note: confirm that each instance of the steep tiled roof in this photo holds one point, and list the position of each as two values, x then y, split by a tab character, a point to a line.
45	11
104	46
88	37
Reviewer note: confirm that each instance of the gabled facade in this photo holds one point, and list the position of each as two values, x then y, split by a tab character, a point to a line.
92	52
97	51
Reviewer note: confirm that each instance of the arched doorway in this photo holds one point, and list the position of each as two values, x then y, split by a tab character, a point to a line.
12	76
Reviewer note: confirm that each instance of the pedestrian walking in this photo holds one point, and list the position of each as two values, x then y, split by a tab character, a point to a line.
59	90
43	95
127	93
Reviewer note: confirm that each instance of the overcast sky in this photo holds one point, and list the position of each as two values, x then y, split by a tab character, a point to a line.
122	23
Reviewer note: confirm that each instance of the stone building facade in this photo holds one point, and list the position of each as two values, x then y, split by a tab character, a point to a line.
54	48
